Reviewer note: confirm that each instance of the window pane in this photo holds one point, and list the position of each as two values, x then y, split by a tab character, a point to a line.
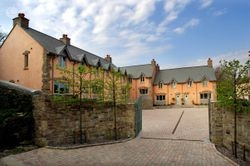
26	60
55	88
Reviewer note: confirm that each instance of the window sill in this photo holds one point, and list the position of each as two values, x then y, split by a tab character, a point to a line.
26	68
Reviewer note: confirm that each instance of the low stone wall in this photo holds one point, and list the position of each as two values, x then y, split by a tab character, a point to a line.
222	129
58	123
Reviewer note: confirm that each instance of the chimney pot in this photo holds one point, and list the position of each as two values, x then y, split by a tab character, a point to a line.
153	62
108	58
65	39
210	62
21	15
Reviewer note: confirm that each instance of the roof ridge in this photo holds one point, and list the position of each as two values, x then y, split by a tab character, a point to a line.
46	35
136	65
187	67
63	44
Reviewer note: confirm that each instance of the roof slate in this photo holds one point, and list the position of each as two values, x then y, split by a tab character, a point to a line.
138	70
181	75
57	47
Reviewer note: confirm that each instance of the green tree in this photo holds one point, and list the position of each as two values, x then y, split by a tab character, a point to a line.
116	90
2	37
233	83
105	86
84	80
117	87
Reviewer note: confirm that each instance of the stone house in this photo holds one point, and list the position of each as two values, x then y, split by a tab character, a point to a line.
29	58
179	86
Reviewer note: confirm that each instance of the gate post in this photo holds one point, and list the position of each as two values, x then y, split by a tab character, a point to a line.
138	116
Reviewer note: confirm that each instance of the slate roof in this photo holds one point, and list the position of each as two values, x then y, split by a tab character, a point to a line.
138	70
57	47
181	75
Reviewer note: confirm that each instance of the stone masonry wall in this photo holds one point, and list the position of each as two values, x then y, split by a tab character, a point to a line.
58	123
222	129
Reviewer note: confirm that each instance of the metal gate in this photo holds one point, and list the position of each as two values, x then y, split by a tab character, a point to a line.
138	116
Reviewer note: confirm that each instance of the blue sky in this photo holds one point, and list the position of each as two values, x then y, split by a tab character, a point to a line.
175	33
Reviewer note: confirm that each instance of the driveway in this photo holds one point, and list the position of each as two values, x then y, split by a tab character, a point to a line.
162	142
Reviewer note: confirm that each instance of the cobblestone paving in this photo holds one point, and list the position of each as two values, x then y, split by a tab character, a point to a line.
156	146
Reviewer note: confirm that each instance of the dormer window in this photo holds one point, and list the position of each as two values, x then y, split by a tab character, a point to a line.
142	78
160	85
62	62
130	80
204	83
189	83
173	84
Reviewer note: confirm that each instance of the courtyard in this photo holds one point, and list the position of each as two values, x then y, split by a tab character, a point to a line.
177	136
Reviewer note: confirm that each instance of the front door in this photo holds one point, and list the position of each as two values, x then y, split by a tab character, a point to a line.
178	99
186	99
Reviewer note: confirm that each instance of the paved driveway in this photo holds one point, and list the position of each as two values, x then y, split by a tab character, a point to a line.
193	124
156	146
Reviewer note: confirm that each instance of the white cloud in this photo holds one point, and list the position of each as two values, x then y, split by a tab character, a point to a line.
172	8
120	27
191	23
205	3
143	10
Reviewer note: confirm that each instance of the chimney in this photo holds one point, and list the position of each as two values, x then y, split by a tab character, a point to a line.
21	21
157	68
210	63
65	39
153	62
108	58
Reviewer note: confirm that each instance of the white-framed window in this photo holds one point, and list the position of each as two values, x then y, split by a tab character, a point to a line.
173	84
160	84
206	95
143	91
62	61
60	87
160	97
204	83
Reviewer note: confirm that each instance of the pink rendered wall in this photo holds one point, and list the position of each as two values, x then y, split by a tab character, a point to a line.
12	59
